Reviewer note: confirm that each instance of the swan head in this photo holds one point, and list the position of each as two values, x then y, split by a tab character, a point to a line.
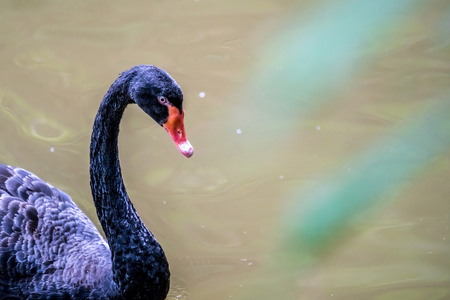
158	94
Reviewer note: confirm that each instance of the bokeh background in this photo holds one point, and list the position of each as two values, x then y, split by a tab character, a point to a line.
321	131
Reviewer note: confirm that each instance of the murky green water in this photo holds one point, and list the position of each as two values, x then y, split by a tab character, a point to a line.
321	169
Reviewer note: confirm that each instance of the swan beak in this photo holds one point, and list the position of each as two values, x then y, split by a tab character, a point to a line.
175	127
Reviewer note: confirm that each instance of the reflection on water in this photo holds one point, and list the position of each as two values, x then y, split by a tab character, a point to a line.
264	133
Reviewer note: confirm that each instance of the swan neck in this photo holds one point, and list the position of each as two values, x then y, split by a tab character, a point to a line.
107	185
134	250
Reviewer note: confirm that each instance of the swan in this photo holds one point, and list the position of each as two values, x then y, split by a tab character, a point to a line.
49	249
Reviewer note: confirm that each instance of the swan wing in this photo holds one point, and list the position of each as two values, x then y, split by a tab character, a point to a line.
43	233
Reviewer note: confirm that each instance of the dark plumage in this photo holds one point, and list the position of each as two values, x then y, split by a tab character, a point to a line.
49	249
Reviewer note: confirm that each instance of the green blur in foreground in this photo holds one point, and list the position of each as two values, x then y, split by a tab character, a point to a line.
309	60
315	55
332	205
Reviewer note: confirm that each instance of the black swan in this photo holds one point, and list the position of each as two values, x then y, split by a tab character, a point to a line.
50	250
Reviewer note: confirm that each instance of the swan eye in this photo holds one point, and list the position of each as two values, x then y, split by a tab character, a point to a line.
163	100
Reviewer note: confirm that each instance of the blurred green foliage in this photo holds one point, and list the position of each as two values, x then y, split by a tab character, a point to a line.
333	204
312	56
317	52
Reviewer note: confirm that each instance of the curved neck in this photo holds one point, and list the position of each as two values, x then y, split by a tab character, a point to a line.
108	190
134	249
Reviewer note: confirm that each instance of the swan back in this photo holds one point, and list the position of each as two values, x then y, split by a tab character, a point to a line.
47	244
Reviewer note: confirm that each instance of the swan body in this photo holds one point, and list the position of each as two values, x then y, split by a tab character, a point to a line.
49	249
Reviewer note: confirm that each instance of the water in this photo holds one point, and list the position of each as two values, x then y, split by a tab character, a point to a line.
227	217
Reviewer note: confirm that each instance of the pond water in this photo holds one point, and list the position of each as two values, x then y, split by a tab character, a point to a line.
321	136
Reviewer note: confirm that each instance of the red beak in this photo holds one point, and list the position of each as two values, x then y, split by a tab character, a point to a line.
175	127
